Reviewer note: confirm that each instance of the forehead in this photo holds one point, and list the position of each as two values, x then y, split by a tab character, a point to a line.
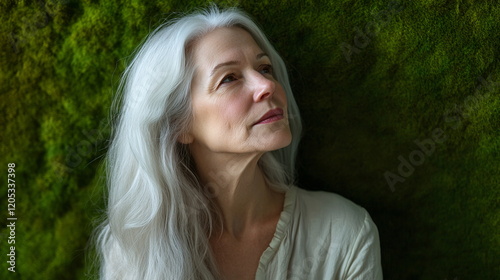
223	44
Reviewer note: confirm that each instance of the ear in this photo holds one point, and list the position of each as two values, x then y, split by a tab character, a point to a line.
185	138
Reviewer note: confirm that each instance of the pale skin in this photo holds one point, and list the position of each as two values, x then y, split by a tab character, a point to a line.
233	88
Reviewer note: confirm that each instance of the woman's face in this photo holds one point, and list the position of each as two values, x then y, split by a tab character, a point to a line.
238	106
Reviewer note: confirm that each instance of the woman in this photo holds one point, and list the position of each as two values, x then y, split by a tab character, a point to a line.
201	167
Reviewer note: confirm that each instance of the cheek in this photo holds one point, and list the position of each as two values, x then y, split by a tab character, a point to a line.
235	110
280	94
220	116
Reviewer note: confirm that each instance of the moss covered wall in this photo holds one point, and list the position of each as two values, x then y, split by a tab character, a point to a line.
400	102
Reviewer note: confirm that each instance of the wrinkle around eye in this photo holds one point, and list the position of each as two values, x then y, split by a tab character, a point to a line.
229	79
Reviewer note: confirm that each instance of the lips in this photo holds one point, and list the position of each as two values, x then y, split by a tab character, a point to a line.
271	116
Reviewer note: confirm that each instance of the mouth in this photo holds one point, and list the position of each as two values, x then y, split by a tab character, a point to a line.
271	116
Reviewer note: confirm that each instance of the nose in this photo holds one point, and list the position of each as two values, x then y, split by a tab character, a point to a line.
264	87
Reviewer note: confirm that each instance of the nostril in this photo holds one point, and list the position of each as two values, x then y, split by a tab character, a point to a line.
265	95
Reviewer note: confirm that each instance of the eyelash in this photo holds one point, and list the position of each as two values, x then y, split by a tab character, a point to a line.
269	68
266	67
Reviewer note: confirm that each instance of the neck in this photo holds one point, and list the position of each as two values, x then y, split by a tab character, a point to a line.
239	188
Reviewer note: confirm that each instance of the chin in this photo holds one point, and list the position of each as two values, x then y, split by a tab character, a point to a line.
279	140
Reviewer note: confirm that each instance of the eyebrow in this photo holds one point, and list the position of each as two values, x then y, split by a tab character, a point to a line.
232	62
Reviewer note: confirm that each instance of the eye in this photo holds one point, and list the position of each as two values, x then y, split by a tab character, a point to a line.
227	79
266	69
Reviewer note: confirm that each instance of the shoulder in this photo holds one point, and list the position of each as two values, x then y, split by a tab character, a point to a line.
324	214
337	232
329	206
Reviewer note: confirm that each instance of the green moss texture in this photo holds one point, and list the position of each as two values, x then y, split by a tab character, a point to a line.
400	103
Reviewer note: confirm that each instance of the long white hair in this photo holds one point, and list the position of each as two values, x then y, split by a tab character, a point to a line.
159	217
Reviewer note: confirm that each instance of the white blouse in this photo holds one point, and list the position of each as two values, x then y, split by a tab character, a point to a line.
320	236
